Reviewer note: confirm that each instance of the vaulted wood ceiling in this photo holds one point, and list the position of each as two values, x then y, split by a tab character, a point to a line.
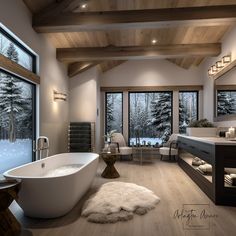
122	33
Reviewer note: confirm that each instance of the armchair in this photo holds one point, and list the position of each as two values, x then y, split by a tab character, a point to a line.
170	148
122	148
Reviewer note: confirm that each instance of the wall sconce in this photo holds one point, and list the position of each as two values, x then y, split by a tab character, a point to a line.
219	65
59	96
226	59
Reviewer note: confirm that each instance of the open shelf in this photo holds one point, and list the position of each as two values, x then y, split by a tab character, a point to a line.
188	160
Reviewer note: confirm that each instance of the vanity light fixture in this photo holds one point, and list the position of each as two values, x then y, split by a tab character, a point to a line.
84	6
59	96
219	65
154	41
226	59
210	72
214	68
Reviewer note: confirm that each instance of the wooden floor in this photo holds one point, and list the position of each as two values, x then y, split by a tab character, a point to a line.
168	182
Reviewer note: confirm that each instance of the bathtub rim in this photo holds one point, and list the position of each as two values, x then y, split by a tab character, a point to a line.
7	175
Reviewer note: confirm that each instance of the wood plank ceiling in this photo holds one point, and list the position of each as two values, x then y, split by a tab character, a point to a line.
135	36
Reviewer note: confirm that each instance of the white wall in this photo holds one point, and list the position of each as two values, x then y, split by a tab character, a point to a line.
228	46
151	73
84	99
53	115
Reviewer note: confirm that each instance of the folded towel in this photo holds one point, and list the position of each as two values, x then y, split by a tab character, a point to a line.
202	172
230	170
229	183
231	180
206	168
197	161
233	176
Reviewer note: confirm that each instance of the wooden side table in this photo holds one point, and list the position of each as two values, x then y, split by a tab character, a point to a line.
8	192
110	171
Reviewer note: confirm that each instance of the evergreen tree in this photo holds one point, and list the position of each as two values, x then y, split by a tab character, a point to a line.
12	102
183	117
12	53
161	115
109	112
226	103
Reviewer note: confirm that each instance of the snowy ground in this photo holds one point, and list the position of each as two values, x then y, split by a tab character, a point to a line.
153	141
15	154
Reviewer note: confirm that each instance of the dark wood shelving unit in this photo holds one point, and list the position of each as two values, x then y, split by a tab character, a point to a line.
220	156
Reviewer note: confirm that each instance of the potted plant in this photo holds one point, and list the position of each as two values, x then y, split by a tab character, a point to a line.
201	128
108	137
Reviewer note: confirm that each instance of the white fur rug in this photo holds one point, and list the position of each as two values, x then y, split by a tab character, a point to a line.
117	201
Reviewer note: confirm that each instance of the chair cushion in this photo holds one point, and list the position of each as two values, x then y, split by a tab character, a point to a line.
126	150
118	138
166	151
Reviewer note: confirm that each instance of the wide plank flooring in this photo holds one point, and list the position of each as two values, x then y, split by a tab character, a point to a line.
168	182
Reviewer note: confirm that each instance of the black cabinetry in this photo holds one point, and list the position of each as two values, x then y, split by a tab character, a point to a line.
220	156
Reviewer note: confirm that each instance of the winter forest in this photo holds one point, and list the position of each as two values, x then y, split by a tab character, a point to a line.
226	102
150	115
15	110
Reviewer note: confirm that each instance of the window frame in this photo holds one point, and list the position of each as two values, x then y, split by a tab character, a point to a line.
18	44
34	88
122	102
191	91
222	90
129	92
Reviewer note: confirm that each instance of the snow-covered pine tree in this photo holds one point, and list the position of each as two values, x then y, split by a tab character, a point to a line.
161	115
226	103
12	53
12	101
109	112
183	117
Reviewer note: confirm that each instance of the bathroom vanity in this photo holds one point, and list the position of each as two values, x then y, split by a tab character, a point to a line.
218	152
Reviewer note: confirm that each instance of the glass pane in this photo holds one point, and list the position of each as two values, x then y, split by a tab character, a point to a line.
150	117
16	121
188	109
226	102
114	112
15	53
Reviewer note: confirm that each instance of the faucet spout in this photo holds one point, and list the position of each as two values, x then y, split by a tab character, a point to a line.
42	147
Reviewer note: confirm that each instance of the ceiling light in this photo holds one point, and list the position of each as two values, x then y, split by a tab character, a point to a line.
154	41
83	6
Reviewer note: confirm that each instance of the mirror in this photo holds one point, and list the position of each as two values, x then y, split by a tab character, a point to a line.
225	95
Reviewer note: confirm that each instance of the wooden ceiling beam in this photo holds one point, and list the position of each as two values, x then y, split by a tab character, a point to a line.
79	67
148	18
137	52
15	68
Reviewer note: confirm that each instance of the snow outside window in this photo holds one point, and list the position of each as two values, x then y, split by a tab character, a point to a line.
11	49
17	107
114	112
226	102
150	117
188	109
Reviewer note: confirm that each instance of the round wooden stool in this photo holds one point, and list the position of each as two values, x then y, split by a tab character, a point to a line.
9	226
110	170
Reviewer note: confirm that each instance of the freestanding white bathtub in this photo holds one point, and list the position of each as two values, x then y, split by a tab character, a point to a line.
51	187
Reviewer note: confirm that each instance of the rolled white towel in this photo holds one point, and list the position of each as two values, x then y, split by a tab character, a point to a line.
197	161
206	168
230	170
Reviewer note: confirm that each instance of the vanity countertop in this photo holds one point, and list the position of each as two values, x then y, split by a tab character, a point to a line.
211	140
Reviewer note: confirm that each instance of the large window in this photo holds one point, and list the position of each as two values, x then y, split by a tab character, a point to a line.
114	112
12	49
150	117
226	102
17	107
188	109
